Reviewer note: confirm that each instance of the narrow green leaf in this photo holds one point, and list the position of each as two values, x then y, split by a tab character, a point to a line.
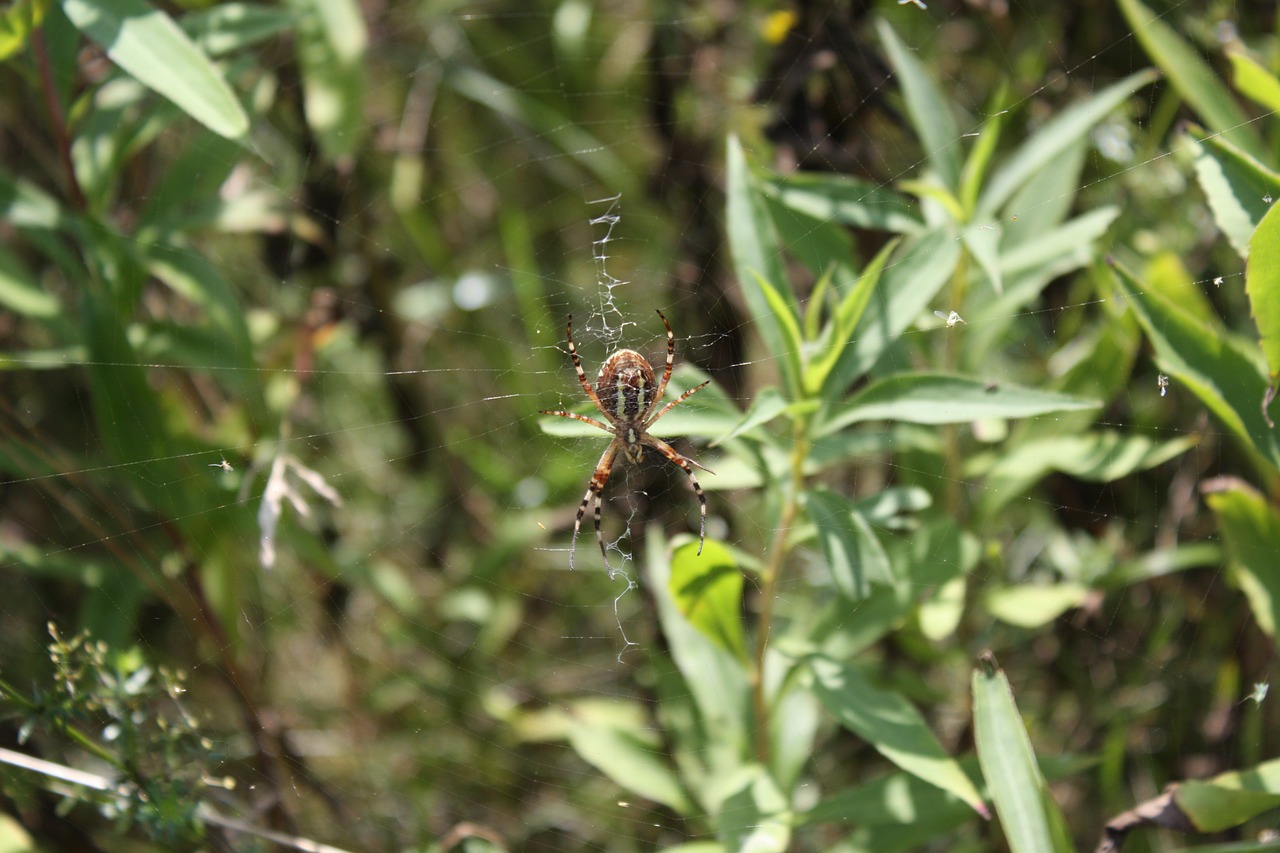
1162	562
1073	239
854	556
1029	606
757	258
1262	283
1236	185
767	405
1191	76
1254	81
229	27
1030	819
891	724
707	590
790	357
714	676
1251	528
845	320
895	799
1099	457
21	293
935	398
930	112
147	44
550	125
1230	799
754	817
332	41
982	239
906	288
845	200
1057	136
17	20
631	758
1226	374
975	167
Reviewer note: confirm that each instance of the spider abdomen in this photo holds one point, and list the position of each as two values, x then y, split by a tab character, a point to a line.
626	386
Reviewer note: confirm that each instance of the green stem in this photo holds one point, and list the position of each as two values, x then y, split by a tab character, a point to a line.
769	582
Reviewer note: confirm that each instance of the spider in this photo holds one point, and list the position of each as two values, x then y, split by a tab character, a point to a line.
623	394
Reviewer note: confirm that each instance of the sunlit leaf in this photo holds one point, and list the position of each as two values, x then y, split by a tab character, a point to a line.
854	556
707	590
146	43
1262	282
1057	135
930	112
891	724
934	398
1192	77
1251	528
1031	821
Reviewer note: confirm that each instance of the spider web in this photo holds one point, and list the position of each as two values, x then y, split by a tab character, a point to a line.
418	608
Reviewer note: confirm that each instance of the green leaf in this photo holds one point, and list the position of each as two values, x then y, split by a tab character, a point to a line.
1236	186
930	112
1254	81
1262	283
1057	136
1099	457
630	756
767	405
1251	529
1225	373
332	42
1230	799
147	44
754	817
1029	817
1162	562
854	556
905	291
783	313
1192	77
845	200
891	724
714	676
757	258
707	590
935	398
900	799
17	20
847	316
550	125
21	293
1034	606
1072	240
975	167
982	239
229	27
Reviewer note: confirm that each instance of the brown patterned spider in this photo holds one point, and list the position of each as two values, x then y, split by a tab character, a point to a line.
624	394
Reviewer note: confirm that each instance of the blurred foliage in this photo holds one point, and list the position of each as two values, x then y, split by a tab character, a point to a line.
283	288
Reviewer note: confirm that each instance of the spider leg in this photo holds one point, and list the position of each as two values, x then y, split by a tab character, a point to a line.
603	469
686	464
671	361
577	417
577	366
677	401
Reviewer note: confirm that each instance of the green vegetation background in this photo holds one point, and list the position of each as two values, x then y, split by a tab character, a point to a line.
282	538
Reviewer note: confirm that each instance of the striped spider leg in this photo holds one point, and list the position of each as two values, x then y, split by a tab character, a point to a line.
626	396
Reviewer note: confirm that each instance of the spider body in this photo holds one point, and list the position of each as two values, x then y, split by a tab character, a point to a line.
626	393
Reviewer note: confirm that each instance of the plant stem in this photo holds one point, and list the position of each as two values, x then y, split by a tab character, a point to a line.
769	582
